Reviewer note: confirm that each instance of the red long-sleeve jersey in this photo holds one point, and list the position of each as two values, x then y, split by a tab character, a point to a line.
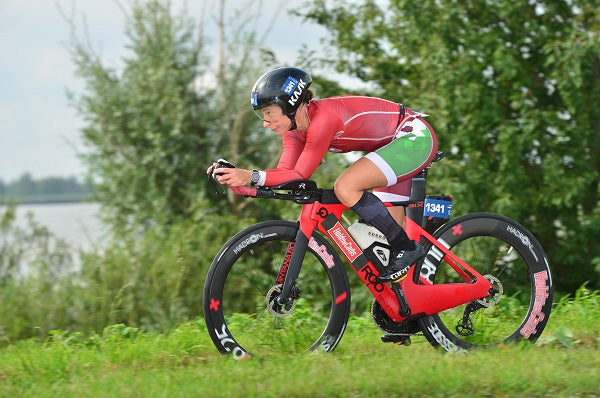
337	124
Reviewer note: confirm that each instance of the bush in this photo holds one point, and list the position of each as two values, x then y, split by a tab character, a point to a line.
151	281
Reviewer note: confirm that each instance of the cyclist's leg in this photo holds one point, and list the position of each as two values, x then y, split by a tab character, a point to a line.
388	171
362	175
400	160
398	192
396	162
351	188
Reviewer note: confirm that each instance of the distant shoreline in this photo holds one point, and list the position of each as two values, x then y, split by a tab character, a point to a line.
45	199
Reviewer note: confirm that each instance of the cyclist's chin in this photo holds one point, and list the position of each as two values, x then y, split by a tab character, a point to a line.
278	130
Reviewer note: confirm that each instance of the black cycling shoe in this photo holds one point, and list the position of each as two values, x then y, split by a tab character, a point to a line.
401	262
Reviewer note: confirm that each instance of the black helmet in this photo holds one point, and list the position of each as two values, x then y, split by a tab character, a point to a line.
284	87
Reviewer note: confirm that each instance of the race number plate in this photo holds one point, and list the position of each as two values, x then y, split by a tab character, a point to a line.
439	208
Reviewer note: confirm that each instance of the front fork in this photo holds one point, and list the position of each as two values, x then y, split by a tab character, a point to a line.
289	272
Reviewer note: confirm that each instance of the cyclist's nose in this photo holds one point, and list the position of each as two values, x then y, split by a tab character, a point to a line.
268	124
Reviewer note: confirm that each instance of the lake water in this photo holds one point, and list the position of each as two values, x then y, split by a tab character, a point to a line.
77	223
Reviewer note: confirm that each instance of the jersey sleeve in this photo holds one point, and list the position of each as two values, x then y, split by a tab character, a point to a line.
301	157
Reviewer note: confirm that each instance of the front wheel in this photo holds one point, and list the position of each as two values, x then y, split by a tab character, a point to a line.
240	308
510	257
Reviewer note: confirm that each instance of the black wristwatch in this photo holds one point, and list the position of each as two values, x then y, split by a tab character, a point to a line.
254	177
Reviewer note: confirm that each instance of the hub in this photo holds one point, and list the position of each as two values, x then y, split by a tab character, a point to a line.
496	292
285	309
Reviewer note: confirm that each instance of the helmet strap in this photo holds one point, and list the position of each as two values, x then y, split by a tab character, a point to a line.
293	126
292	117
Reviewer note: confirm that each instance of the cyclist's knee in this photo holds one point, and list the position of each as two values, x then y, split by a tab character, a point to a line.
338	188
346	192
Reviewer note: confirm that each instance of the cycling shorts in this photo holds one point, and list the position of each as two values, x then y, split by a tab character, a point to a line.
413	148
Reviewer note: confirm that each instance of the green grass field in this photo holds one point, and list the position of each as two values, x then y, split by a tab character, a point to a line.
123	362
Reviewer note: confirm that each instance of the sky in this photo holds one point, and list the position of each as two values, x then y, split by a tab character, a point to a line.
39	128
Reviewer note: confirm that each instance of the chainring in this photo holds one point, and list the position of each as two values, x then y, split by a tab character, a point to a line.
385	323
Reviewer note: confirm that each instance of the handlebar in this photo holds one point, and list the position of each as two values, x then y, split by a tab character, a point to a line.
298	191
301	191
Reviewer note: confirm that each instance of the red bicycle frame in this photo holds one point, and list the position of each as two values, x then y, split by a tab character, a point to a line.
422	298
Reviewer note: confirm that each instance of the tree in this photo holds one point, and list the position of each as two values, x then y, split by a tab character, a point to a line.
25	185
512	88
146	126
152	128
241	59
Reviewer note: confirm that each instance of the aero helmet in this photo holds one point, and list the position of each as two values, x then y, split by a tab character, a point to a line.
285	87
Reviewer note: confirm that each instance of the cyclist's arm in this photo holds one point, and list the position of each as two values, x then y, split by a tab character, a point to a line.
300	159
293	145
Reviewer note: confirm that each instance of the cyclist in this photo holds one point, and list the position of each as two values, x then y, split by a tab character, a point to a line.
399	142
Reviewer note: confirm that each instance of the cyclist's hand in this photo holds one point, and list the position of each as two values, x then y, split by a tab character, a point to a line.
220	163
233	177
211	168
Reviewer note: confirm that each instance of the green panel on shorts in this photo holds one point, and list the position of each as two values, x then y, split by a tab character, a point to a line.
409	152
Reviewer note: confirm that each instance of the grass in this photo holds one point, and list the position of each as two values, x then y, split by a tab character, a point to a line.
123	362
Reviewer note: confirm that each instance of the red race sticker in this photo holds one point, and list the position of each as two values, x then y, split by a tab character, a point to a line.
344	241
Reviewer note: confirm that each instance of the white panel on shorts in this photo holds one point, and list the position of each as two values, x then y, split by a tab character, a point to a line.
390	197
384	167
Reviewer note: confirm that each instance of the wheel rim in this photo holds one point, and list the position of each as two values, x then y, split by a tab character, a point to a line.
239	294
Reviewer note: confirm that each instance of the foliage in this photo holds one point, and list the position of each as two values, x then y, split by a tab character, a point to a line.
150	282
153	128
150	128
33	269
238	135
122	360
512	91
576	312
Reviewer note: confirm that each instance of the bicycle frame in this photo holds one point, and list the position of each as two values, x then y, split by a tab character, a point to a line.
420	297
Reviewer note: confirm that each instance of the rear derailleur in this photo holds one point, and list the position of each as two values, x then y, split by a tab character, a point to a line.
465	326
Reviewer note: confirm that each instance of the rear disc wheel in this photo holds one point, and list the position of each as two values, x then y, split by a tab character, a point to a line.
515	264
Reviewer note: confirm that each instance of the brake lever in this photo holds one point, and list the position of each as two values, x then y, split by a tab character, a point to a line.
211	176
219	188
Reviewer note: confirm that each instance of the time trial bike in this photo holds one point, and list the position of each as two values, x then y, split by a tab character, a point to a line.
282	286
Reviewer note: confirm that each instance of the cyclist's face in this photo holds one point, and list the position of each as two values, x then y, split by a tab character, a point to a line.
274	119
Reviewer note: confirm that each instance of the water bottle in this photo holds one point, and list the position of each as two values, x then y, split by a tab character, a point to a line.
372	242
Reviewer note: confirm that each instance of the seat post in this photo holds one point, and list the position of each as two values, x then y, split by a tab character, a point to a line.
417	196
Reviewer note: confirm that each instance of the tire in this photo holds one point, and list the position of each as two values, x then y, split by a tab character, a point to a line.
509	256
244	274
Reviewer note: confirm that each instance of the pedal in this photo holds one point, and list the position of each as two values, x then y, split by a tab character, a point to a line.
404	308
400	339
